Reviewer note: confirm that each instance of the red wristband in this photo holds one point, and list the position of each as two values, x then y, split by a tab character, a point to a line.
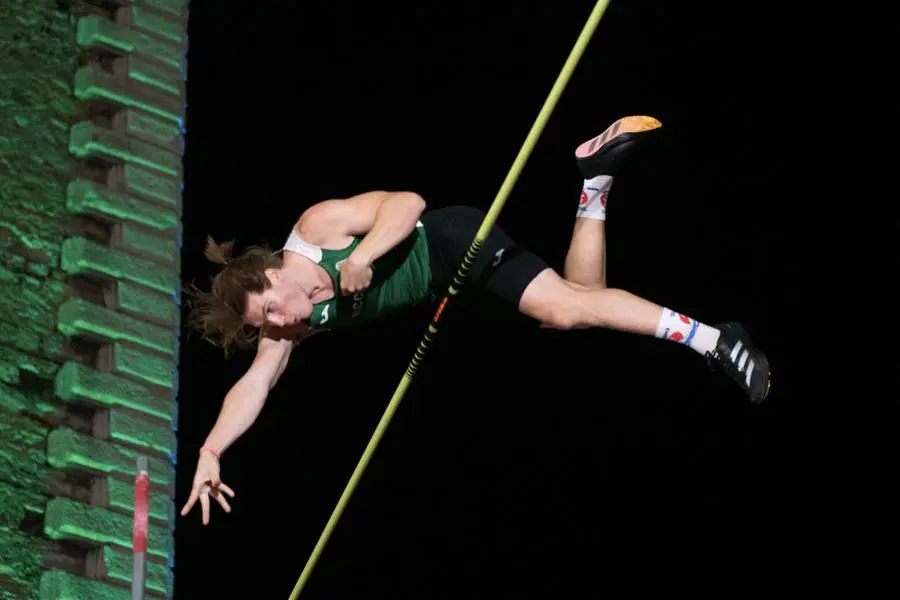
211	450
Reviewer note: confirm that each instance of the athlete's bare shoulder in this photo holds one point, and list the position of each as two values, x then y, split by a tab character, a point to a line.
319	223
331	222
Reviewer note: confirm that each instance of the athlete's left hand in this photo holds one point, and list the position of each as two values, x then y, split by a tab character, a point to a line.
356	276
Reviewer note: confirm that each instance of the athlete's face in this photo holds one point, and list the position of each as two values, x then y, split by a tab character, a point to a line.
282	304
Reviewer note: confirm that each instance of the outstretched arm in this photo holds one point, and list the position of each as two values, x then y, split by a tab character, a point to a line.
246	398
382	219
242	405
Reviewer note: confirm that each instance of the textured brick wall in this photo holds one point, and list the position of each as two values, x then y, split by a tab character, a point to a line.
91	139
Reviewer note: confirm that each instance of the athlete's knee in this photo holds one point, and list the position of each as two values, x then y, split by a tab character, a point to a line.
552	315
563	317
550	300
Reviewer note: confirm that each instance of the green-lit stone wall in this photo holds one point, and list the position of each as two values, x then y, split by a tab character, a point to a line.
92	97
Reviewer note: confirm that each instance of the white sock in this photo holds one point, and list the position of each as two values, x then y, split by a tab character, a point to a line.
676	327
593	197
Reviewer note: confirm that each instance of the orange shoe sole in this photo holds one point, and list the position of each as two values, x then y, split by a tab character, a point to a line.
632	124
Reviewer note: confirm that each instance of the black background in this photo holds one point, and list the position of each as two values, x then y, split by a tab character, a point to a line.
522	463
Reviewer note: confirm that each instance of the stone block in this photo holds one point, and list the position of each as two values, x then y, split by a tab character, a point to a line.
120	495
176	8
67	449
96	32
21	562
130	428
78	317
150	368
93	84
28	401
26	301
160	248
169	23
77	382
147	184
23	465
16	501
66	519
117	565
40	367
14	334
153	75
88	140
145	304
151	129
81	256
88	198
60	585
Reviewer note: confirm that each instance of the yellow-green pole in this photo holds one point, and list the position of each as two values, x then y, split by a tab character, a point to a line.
453	289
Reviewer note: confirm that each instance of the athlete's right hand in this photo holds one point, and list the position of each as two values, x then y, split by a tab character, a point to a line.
206	484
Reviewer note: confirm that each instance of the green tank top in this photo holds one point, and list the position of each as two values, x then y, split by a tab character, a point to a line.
400	279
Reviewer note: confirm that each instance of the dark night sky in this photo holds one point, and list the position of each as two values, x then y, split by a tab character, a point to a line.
522	463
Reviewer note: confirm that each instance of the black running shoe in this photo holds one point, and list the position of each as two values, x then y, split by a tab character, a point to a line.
736	355
603	154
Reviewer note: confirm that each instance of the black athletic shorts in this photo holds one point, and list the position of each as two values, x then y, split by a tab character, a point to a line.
503	268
